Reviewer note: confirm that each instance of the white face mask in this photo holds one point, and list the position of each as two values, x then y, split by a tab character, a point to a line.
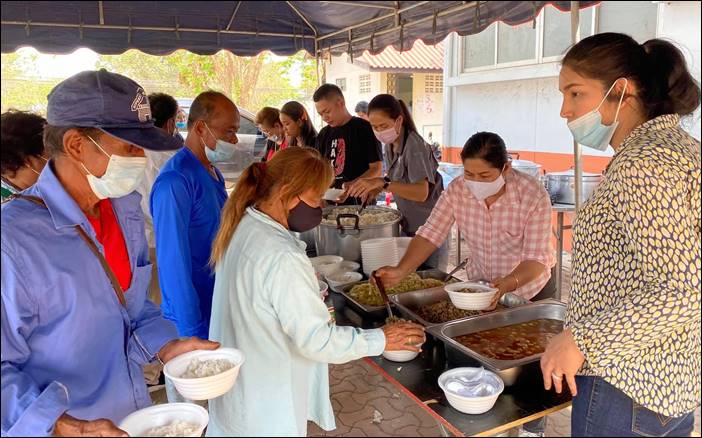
122	176
483	190
588	129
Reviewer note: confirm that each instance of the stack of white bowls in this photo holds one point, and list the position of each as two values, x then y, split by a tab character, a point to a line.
377	253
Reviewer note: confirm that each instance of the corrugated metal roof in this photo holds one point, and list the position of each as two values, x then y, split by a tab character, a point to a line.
420	57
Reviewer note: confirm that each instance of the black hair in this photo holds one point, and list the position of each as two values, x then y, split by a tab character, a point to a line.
326	91
657	67
486	146
163	108
394	108
204	105
297	112
21	138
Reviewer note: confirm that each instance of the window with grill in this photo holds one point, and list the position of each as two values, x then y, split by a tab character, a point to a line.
364	84
341	83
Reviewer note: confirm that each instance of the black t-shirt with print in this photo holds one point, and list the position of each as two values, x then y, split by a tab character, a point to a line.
351	148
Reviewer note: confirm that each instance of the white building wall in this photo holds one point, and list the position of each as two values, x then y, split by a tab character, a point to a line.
522	104
340	67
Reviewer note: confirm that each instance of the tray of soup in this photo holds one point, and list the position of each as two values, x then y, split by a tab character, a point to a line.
506	339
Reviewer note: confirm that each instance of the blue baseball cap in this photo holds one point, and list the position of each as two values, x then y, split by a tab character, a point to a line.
112	103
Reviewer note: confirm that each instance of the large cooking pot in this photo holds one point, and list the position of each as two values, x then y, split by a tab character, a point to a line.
345	240
528	167
561	186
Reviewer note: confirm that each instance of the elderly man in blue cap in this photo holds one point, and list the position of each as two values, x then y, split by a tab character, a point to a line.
76	324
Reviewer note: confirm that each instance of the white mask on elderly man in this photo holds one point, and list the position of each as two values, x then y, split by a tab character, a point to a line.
121	178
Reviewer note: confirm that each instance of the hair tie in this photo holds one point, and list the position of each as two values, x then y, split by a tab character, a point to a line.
261	166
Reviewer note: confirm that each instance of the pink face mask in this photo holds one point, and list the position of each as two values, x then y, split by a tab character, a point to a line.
387	136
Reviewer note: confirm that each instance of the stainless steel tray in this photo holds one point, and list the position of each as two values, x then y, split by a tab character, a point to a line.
550	309
409	302
379	311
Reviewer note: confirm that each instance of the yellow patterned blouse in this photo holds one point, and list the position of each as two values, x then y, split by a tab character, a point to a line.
635	304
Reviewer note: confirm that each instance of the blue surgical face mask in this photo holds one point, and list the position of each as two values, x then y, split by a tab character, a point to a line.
182	126
588	129
223	152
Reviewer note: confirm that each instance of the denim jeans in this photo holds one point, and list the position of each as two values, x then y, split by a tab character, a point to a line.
600	409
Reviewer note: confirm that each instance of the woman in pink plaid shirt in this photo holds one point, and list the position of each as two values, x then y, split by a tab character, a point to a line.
505	217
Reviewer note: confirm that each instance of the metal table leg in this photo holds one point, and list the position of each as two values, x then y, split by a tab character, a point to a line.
559	254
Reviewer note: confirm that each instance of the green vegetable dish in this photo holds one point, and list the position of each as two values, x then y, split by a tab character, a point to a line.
369	295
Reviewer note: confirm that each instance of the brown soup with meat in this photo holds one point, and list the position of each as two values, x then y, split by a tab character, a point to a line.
515	341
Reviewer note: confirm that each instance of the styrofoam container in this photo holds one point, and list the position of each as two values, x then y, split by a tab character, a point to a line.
140	422
470	301
400	355
204	388
471	405
339	279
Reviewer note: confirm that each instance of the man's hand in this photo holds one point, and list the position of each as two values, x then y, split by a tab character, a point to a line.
70	426
181	346
363	187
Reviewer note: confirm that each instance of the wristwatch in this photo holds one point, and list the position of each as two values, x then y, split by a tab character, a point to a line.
387	182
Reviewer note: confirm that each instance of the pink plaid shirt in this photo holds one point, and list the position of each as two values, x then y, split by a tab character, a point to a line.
516	228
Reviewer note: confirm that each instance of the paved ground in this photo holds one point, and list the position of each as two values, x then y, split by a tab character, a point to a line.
366	404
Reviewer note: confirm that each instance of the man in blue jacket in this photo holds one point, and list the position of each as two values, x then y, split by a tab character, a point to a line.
186	202
76	325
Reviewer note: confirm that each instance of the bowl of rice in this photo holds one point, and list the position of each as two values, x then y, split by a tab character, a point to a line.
170	419
204	374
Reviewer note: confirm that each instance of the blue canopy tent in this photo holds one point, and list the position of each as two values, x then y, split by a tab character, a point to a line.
249	27
246	28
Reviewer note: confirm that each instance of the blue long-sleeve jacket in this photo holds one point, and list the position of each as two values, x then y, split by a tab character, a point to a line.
186	202
68	345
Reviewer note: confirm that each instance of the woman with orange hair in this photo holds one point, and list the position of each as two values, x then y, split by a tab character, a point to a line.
267	304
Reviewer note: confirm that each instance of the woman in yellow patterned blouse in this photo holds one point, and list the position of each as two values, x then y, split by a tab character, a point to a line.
633	323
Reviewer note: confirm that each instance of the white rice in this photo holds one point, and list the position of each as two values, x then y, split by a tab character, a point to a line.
177	428
205	368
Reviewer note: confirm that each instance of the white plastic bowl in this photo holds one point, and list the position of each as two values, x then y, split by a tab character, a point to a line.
470	301
471	405
204	388
400	355
323	289
140	422
338	279
333	194
348	266
326	264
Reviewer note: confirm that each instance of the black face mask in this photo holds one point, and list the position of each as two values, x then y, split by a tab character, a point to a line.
304	217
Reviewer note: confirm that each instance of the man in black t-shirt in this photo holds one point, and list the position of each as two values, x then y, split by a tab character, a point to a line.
347	141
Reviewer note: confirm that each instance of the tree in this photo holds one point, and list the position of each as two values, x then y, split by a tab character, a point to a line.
251	82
